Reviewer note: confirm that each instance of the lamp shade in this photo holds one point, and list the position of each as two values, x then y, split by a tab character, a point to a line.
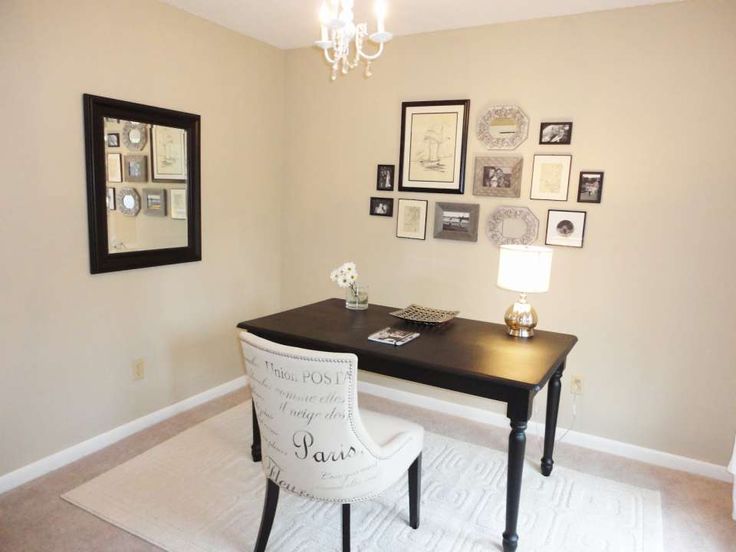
524	268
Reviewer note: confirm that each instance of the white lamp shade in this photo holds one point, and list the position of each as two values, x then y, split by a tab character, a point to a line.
524	268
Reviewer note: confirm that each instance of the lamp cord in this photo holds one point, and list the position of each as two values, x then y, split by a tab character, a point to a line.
558	439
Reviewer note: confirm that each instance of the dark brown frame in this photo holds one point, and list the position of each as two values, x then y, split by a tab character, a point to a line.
96	108
392	170
463	147
582	237
375	200
580	187
543	124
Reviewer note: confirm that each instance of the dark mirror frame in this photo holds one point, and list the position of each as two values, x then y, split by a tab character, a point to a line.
96	108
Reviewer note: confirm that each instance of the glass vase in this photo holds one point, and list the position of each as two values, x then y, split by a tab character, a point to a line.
356	297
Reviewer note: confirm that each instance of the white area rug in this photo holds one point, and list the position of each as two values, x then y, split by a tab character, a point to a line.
200	492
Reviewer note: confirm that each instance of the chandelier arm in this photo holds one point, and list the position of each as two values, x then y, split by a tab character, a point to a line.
371	57
327	57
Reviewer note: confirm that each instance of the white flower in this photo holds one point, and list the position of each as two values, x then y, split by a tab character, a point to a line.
348	267
343	281
345	275
334	275
352	277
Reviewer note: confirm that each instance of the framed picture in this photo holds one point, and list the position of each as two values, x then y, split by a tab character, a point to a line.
385	178
412	219
382	206
169	152
154	202
551	177
456	221
178	203
113	139
434	139
110	199
566	228
135	168
590	187
497	176
114	170
555	133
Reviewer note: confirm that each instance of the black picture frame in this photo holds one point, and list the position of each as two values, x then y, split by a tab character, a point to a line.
96	109
581	217
584	186
112	139
458	180
382	172
559	133
382	207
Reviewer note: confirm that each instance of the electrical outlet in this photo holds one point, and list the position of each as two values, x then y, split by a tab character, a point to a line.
576	385
139	369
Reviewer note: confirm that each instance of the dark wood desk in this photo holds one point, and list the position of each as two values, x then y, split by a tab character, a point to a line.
464	355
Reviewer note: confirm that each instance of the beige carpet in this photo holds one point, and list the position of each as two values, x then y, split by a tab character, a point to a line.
200	492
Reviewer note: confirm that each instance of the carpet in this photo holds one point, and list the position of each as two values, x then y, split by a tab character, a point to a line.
200	492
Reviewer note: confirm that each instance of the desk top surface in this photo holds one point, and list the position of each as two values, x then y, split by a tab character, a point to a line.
467	348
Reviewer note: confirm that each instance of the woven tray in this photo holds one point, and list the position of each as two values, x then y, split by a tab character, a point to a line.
425	315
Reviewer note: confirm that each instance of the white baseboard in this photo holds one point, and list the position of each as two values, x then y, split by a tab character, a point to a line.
634	452
66	456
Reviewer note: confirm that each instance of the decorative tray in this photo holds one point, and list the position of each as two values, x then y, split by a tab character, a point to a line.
425	315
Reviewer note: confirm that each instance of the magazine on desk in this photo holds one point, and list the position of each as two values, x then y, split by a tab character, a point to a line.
393	336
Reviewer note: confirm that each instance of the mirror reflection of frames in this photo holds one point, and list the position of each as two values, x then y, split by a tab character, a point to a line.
152	154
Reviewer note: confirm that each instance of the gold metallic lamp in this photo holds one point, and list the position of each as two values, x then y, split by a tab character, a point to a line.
526	269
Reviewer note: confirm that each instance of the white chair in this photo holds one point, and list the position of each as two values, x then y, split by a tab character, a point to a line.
315	442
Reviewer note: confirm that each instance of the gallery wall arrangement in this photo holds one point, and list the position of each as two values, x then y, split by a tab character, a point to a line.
432	159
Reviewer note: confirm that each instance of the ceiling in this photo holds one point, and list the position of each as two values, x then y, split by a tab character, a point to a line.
293	23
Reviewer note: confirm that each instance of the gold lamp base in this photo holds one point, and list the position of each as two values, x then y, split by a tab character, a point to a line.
520	318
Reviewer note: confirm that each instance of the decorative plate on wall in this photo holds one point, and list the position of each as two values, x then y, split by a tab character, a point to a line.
503	127
512	226
129	202
135	135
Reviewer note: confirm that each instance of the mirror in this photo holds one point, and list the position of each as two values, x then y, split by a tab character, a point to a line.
512	226
142	185
503	127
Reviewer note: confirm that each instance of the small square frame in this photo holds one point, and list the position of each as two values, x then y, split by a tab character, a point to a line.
112	139
141	161
154	202
511	167
565	228
555	133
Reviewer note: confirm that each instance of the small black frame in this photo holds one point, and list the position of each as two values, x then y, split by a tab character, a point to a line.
96	109
378	202
598	175
385	169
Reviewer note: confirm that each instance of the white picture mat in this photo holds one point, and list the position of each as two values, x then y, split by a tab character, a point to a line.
412	219
409	133
169	147
575	238
551	177
178	203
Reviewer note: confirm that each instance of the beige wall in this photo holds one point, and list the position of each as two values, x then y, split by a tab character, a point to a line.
67	338
651	92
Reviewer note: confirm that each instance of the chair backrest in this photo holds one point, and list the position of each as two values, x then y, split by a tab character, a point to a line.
313	442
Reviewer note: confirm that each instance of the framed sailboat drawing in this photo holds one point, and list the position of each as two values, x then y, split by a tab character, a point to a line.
434	141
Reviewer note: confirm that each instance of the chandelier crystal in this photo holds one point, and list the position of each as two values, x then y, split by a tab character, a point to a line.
343	41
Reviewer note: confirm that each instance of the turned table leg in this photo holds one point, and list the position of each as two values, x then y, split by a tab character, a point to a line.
517	444
550	424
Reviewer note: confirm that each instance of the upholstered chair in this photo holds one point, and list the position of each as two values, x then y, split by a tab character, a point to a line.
315	442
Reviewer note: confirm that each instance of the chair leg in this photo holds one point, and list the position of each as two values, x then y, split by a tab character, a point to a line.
269	511
346	528
415	491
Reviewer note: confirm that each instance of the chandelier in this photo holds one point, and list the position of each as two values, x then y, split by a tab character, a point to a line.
343	41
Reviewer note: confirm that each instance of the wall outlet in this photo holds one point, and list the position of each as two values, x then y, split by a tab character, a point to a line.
139	369
576	385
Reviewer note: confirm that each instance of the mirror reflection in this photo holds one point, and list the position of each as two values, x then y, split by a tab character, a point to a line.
147	186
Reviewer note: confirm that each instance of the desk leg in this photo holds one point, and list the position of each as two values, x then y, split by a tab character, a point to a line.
550	424
255	448
517	444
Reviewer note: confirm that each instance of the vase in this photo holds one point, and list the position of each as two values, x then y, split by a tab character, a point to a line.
356	297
